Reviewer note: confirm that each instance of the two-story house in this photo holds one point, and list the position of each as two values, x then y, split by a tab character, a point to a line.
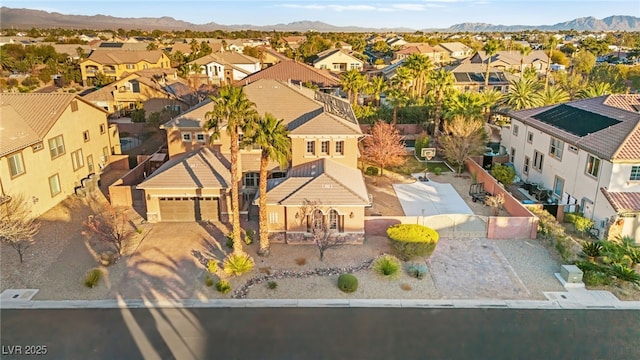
513	60
587	152
114	63
52	146
436	54
226	67
471	78
297	73
323	171
457	50
338	61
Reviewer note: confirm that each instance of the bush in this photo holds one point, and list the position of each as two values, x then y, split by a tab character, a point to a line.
92	278
437	170
570	218
223	286
418	271
412	240
348	283
238	264
371	170
504	174
248	236
138	116
208	281
582	224
592	248
622	272
212	266
272	285
421	142
229	241
386	266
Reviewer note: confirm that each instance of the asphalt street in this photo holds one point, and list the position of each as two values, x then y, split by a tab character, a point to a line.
320	333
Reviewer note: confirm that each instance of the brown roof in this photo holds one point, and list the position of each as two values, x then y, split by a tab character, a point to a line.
619	142
115	57
324	181
226	58
296	72
199	169
623	201
27	118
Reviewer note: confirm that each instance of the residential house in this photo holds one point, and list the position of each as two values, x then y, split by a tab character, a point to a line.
513	61
153	89
436	54
115	63
457	50
293	42
227	67
471	77
587	152
271	57
52	146
337	61
321	186
297	73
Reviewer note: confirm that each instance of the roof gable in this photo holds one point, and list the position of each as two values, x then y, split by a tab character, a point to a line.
296	72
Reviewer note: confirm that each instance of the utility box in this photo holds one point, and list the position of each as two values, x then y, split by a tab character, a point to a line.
571	274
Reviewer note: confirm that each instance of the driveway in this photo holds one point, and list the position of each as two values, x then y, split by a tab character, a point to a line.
430	198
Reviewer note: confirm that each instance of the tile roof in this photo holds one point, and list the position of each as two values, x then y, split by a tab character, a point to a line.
199	169
226	58
620	142
296	72
30	115
330	52
115	57
324	181
623	201
513	57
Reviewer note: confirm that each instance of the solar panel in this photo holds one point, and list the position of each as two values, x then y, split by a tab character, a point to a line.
575	121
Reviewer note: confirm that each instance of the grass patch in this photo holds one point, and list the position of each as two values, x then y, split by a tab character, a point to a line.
412	166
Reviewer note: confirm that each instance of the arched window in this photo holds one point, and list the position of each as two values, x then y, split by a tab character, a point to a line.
318	219
333	219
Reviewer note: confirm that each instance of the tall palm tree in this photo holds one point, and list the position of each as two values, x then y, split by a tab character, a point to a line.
231	110
350	82
523	93
524	52
554	95
440	82
466	104
595	90
377	85
272	136
489	99
551	45
420	66
397	98
490	48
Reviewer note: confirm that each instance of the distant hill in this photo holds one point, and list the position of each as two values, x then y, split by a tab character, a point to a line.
26	18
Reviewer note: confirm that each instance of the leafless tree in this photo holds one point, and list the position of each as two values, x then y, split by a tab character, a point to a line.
384	147
111	225
325	239
463	138
17	226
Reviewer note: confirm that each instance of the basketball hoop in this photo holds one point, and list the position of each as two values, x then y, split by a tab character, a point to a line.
428	153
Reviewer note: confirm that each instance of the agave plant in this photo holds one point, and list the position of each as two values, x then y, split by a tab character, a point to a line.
238	264
386	266
592	249
624	273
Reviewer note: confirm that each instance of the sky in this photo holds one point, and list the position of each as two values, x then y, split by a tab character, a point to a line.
414	14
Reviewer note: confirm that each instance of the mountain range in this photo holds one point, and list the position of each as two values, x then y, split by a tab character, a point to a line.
27	18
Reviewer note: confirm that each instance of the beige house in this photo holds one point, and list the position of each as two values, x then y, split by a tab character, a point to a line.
337	61
115	63
513	60
52	146
471	78
322	175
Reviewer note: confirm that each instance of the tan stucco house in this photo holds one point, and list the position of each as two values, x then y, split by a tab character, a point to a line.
115	63
337	61
52	146
322	173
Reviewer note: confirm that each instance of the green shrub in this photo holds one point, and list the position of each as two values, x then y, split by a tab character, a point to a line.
272	285
570	218
504	174
92	278
622	272
418	271
348	283
412	240
208	281
212	266
421	142
592	248
582	224
387	266
138	116
223	286
229	241
238	264
248	236
371	170
437	170
595	278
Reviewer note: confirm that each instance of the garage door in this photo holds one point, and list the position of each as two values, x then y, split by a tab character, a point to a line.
188	209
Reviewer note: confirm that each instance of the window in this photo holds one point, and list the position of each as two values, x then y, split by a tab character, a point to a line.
354	66
105	154
77	160
16	165
90	163
186	136
200	137
103	129
340	147
56	146
251	179
324	147
318	220
311	147
273	218
74	105
497	88
593	166
529	137
513	155
54	185
135	87
635	173
515	130
333	219
558	186
37	147
131	66
525	168
537	160
85	135
555	148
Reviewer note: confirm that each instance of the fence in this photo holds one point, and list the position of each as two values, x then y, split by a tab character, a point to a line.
449	225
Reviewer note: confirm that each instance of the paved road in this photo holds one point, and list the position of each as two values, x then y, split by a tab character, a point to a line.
323	333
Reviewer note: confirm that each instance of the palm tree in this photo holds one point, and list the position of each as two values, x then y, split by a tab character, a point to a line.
523	93
489	99
419	65
377	86
554	95
524	51
440	82
551	44
466	104
490	49
349	82
397	98
272	136
231	110
595	90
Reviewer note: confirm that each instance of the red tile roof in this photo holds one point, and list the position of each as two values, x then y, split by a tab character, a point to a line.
623	201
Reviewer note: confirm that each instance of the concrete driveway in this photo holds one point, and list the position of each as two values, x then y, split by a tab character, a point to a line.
430	198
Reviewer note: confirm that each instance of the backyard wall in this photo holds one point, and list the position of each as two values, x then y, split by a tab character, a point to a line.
119	162
121	191
412	130
447	225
